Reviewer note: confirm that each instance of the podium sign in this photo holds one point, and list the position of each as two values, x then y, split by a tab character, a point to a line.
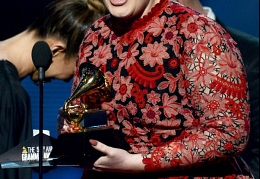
26	154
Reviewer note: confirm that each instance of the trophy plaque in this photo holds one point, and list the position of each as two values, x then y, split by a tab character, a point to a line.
83	110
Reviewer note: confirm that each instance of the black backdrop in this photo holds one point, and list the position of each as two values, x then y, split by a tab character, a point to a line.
15	15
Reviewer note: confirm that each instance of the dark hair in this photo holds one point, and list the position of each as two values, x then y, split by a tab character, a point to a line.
68	20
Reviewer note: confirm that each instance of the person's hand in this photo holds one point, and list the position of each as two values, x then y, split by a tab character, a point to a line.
64	126
116	160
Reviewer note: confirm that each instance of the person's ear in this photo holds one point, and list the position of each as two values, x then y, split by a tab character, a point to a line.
57	48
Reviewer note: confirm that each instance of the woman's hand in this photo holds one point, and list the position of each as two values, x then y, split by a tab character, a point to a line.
116	160
64	126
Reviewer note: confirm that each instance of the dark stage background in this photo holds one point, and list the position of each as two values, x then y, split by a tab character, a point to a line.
15	15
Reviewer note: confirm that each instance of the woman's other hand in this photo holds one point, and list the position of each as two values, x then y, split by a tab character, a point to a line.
116	160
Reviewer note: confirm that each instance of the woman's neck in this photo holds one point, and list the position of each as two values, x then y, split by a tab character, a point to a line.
17	50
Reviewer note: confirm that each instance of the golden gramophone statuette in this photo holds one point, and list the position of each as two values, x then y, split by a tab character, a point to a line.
92	90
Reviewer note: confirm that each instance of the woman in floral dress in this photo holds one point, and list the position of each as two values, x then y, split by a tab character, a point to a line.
179	88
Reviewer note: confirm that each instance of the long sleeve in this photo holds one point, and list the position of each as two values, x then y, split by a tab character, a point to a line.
214	102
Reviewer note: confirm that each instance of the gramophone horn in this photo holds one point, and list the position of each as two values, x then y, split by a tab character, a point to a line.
93	86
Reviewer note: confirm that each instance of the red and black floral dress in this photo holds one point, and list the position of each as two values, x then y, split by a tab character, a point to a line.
179	90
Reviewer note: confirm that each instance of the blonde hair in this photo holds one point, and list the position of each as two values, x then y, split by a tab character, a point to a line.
97	6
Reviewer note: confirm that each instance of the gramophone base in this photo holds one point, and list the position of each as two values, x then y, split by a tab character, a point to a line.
75	148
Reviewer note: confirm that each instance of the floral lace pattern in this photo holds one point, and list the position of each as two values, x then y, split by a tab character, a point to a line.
179	86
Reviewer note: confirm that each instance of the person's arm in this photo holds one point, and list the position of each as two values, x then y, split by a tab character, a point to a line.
217	126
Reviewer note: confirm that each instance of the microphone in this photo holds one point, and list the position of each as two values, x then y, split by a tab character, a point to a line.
42	58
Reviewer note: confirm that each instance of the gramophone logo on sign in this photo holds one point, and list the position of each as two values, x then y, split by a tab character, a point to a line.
32	153
26	154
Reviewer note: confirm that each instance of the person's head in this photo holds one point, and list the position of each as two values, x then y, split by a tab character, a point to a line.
129	9
63	25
